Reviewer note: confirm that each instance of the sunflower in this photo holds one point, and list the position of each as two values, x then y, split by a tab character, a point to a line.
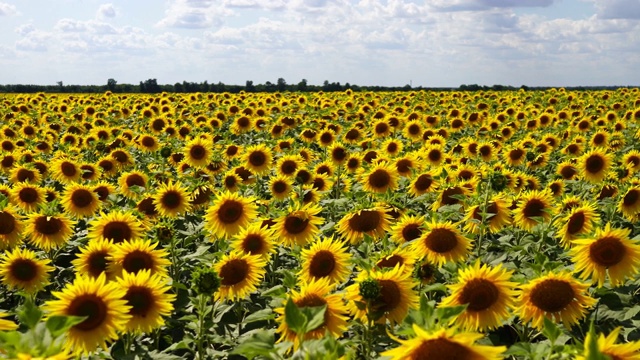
374	222
321	182
241	124
229	213
632	160
423	183
413	130
400	256
312	294
407	229
488	293
137	255
611	252
594	165
451	195
148	143
497	215
380	179
258	158
21	269
94	258
325	258
148	298
11	227
197	153
115	226
629	205
108	166
48	232
444	344
289	165
25	173
255	240
171	200
232	151
122	158
441	242
338	153
579	221
392	300
533	206
280	187
132	184
607	346
102	304
80	200
556	296
299	225
6	325
27	197
239	274
66	171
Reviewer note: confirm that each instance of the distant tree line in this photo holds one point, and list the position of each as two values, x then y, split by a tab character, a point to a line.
151	86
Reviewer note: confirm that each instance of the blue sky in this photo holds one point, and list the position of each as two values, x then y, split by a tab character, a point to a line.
366	42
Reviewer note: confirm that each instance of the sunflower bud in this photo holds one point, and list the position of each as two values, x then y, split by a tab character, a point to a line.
165	152
498	181
370	289
205	281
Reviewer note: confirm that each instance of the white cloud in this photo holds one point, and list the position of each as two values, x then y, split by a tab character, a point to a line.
618	9
7	9
194	14
479	5
106	11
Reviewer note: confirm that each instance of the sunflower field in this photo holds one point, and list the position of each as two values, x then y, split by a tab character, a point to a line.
347	225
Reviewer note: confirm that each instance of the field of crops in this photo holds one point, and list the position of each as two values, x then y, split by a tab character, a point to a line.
352	225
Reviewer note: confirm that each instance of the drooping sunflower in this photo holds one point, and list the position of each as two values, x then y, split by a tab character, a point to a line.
299	225
255	240
258	158
325	258
229	213
593	165
48	232
149	300
444	344
607	345
80	200
441	242
197	153
579	221
132	183
21	269
65	170
171	200
488	293
611	252
102	304
137	255
629	204
115	226
407	229
558	296
312	294
11	227
27	196
533	206
390	300
239	275
374	222
94	258
380	179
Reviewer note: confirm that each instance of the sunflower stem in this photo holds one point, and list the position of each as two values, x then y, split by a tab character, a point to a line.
483	226
202	303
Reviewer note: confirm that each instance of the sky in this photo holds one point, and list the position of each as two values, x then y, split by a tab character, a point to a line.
429	43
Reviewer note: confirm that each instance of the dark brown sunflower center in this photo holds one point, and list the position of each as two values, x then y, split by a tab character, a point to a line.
171	199
516	154
91	306
365	221
148	142
447	195
197	152
435	155
607	251
381	128
480	294
106	165
288	167
103	192
253	243
319	183
380	179
28	195
279	187
232	150
533	208
25	175
230	211
390	296
390	261
97	263
82	198
411	232
257	158
117	231
68	169
147	207
576	222
23	269
202	196
233	272
594	164
441	240
423	182
7	223
243	122
140	299
135	179
631	197
48	225
552	295
310	300
322	264
295	225
326	138
137	260
339	154
441	348
404	166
